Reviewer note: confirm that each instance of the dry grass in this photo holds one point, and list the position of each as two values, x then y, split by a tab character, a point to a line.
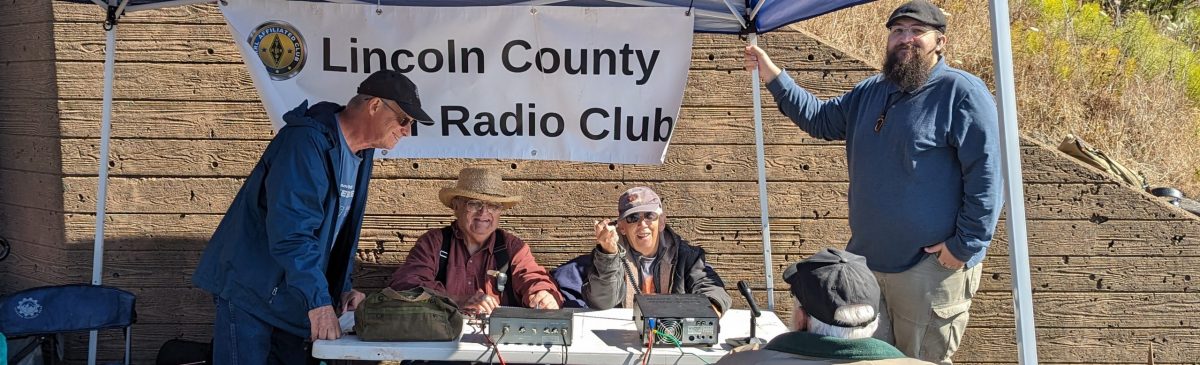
1146	123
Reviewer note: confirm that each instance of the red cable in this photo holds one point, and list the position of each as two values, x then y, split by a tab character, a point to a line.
495	349
649	347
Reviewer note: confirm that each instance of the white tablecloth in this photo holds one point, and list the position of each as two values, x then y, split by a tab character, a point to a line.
607	337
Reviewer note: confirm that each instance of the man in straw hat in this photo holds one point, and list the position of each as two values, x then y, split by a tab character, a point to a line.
473	261
835	312
279	263
922	143
639	254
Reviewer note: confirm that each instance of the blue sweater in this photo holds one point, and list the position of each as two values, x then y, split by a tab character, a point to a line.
930	174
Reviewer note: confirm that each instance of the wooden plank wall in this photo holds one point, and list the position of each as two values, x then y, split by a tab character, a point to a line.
30	165
1112	267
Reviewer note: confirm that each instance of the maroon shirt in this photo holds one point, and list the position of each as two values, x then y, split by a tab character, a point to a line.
466	274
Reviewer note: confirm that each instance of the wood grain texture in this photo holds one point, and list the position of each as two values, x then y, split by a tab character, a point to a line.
1090	346
247	121
1049	274
147	42
1098	202
1137	239
231	82
26	41
32	154
44	227
32	117
191	14
205	158
212	43
784	163
24	80
31	264
32	190
26	11
167	119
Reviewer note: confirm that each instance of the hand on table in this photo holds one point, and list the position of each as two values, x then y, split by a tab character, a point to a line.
323	324
481	303
542	299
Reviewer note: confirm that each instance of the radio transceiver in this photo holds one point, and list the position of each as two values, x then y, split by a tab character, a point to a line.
678	319
514	325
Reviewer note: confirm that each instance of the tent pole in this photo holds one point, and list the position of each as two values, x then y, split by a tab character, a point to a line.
110	45
1014	193
762	182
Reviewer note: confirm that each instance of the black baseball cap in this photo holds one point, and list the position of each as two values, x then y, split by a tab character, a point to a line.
831	279
394	86
921	11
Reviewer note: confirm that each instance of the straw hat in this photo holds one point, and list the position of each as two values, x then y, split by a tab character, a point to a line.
479	183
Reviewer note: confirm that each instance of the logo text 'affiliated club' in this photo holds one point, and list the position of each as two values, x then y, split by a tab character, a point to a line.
280	47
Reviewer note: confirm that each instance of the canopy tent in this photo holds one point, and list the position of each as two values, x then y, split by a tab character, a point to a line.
712	16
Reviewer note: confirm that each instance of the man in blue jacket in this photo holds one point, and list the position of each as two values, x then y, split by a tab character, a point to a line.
279	263
924	164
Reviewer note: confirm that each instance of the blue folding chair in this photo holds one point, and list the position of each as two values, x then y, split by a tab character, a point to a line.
52	310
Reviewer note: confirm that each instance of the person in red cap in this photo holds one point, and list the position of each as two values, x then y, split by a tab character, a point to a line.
639	254
279	263
834	315
923	153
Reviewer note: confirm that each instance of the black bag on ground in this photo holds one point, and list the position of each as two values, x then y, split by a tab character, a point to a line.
181	352
417	314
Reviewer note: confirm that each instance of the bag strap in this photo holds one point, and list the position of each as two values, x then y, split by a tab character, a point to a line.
444	254
501	258
391	293
503	263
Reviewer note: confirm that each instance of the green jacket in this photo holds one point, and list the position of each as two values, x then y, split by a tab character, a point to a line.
796	348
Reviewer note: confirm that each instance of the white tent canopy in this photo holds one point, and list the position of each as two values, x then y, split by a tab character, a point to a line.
712	16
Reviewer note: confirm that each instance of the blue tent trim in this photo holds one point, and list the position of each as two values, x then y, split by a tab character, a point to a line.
775	14
712	16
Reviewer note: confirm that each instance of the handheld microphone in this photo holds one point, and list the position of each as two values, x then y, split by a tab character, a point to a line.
501	279
744	288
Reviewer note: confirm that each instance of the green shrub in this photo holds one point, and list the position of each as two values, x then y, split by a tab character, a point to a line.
1083	40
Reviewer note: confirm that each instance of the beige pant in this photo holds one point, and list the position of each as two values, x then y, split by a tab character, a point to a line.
925	309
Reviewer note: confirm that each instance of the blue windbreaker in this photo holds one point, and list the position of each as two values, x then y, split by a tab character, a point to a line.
271	253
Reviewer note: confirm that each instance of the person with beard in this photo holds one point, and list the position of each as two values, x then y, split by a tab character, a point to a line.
924	167
456	260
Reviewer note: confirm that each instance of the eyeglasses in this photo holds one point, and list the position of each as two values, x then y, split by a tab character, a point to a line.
402	117
903	32
634	218
477	205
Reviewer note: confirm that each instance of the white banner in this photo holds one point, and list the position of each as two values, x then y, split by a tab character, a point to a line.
508	82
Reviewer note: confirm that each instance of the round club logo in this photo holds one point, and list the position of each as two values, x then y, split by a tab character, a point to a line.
280	48
28	308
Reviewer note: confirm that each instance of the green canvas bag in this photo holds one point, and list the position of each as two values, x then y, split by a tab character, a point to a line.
416	314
